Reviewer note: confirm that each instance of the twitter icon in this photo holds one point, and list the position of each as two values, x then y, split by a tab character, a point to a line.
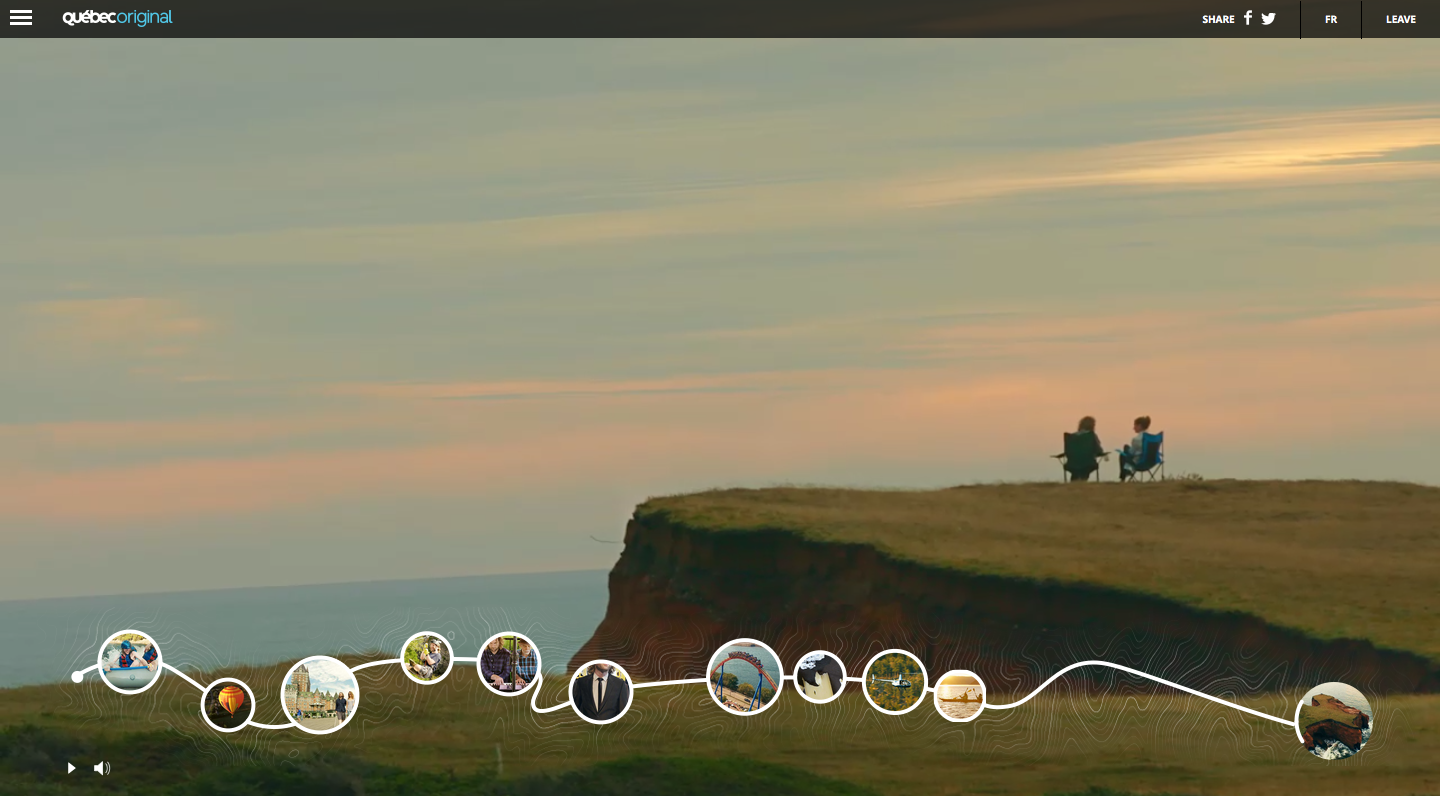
1267	18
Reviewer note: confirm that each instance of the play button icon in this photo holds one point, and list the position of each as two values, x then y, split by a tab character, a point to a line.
69	768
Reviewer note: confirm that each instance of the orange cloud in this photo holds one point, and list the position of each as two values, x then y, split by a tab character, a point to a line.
537	388
138	326
136	435
1372	320
1228	380
227	485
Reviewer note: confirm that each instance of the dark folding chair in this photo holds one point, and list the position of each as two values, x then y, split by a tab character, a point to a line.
1081	456
1150	464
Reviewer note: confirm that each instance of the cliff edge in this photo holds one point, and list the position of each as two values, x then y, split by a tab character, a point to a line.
1192	581
1328	719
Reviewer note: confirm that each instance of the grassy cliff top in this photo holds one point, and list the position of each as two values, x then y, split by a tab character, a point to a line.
1334	559
1327	709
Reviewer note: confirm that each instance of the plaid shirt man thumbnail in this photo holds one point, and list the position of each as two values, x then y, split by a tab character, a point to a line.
525	665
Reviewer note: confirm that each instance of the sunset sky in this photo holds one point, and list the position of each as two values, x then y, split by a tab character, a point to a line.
294	311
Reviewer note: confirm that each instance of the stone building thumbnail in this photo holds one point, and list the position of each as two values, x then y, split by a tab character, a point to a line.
298	694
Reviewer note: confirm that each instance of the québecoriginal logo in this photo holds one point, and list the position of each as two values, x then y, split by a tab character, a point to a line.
137	18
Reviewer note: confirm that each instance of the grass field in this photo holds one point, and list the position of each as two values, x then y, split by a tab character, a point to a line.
1334	559
1326	711
1140	739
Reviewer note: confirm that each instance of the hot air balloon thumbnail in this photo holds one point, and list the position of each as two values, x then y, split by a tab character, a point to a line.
227	705
231	698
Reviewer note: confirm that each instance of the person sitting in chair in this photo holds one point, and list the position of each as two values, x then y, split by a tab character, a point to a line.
1083	450
1136	449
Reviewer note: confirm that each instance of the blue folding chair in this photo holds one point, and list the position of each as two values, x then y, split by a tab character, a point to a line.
1149	465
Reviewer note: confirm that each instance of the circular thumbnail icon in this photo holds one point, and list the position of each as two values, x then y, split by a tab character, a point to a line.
228	704
1334	721
745	676
509	663
426	658
819	677
320	695
129	662
600	692
960	695
895	681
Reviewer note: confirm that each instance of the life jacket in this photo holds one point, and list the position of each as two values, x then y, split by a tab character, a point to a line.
127	658
151	654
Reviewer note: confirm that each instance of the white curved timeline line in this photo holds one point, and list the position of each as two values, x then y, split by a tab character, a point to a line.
1137	673
374	663
540	678
183	676
671	682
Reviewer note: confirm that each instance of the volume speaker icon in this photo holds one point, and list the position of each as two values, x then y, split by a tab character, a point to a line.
102	768
21	16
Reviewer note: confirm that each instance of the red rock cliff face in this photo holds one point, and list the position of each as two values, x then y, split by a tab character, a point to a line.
678	593
1329	730
1350	734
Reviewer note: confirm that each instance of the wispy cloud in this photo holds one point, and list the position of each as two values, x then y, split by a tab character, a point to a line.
1221	378
640	270
1333	148
180	433
1351	146
751	207
142	326
719	383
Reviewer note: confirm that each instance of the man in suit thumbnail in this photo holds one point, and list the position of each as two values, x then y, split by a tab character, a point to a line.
600	695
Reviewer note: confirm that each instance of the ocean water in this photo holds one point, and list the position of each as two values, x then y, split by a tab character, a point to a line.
1344	692
49	639
1334	750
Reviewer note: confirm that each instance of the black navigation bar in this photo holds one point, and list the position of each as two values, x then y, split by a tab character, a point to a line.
728	18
